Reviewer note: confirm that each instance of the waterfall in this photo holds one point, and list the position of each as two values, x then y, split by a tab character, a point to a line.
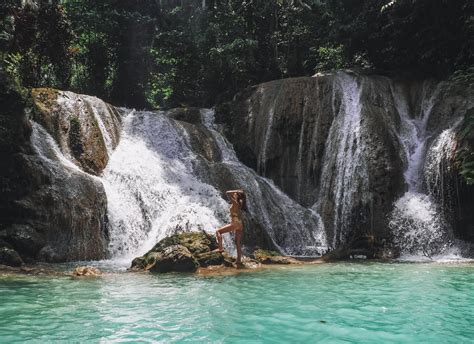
439	164
344	176
151	187
157	184
258	189
417	221
262	158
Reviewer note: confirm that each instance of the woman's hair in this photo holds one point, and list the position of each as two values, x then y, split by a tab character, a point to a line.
242	199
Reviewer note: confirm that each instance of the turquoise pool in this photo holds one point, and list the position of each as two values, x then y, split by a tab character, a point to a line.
329	303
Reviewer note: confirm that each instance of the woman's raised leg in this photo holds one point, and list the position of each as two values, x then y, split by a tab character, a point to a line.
222	230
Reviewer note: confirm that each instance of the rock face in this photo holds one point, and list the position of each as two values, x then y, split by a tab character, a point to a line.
444	182
336	142
10	257
182	252
175	258
51	210
85	128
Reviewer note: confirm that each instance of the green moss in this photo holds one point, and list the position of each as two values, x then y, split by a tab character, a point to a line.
195	242
265	253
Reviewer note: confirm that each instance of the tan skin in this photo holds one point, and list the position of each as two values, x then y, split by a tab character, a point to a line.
235	226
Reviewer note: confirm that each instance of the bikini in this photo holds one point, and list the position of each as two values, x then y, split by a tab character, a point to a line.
234	215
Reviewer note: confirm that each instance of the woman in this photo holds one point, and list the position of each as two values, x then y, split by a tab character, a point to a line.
237	198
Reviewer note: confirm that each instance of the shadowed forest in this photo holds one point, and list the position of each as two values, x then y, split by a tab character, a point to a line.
162	54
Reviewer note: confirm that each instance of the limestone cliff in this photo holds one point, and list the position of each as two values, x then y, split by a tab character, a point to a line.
50	209
337	142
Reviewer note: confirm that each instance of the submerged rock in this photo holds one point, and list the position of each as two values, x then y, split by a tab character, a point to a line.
86	271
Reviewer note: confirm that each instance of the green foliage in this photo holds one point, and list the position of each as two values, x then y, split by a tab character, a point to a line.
330	58
35	41
168	53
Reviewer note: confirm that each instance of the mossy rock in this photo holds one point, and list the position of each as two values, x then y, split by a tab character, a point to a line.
172	253
175	258
195	242
210	258
272	257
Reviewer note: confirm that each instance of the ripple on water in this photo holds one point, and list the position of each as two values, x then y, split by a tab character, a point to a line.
344	302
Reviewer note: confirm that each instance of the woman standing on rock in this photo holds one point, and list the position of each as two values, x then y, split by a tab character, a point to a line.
237	198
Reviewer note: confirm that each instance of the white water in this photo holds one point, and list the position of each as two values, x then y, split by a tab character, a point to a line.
417	221
151	188
268	203
49	152
344	175
156	185
262	158
437	165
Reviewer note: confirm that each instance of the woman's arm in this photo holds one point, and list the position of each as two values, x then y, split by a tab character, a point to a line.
234	191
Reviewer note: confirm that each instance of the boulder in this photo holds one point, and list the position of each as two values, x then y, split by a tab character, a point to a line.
182	252
86	271
85	128
210	258
175	258
195	242
10	257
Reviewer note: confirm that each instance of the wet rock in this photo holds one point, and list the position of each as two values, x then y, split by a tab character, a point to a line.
85	128
195	242
187	114
10	257
210	258
86	271
180	252
175	258
272	257
49	210
282	129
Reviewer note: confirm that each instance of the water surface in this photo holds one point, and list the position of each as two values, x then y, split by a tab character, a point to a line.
329	303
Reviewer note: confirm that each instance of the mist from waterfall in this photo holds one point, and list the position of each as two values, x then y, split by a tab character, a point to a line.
417	221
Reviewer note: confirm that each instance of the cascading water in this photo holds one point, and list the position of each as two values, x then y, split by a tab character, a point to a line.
151	188
417	221
156	184
344	176
439	163
302	228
